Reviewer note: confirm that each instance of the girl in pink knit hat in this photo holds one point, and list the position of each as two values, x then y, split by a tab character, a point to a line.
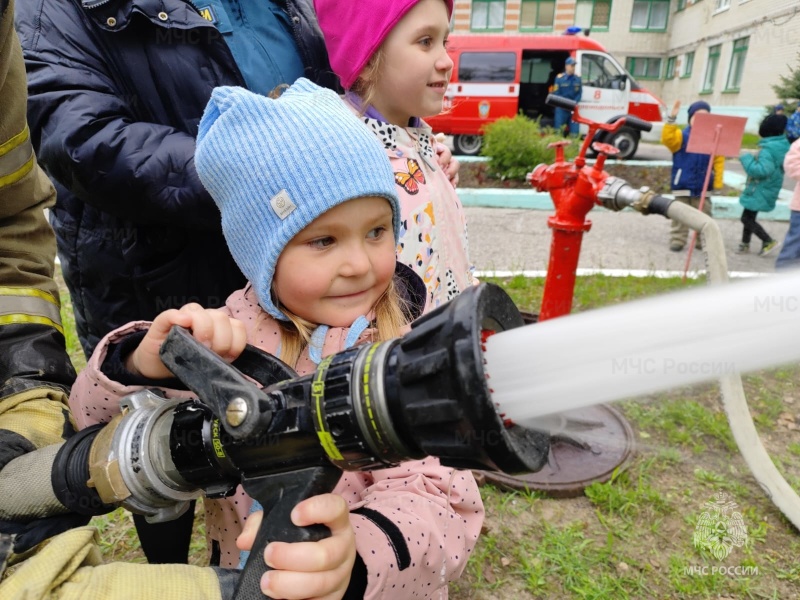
391	58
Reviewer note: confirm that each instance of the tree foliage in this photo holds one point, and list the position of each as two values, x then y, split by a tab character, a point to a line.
789	86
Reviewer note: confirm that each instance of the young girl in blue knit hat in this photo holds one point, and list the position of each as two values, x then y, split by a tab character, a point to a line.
390	56
310	213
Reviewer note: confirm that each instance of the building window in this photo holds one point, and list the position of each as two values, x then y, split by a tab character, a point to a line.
737	64
721	5
669	72
643	67
681	4
593	14
537	14
711	68
649	15
688	63
488	14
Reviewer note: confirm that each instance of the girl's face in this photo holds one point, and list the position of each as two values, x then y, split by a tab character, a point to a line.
416	67
337	268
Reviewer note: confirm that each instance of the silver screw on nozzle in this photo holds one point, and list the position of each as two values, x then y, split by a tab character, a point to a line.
236	412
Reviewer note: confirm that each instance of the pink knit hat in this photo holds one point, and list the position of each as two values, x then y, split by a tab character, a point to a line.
355	29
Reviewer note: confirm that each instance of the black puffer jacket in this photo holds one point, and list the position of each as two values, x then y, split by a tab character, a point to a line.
116	90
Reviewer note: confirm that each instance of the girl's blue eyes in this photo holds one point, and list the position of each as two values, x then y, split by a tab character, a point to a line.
428	42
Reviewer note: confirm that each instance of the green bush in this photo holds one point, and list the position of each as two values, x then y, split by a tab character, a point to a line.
515	146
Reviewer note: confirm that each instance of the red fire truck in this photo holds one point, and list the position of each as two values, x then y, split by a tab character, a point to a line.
502	75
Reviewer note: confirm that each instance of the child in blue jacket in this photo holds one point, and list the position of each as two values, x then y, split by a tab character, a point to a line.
688	170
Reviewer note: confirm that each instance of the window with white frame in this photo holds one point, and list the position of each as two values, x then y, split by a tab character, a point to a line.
711	68
734	80
721	4
649	15
488	14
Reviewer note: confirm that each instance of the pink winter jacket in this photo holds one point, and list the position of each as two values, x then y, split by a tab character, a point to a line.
791	166
438	511
433	230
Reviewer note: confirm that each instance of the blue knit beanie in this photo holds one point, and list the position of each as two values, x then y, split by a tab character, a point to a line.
273	166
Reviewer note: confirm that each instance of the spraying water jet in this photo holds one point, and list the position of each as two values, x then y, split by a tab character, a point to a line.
576	189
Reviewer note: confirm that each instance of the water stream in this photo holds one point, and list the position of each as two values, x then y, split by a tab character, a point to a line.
641	347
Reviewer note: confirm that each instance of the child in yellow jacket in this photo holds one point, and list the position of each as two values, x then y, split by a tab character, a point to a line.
688	169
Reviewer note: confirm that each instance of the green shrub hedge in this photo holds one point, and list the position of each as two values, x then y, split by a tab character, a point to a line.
515	146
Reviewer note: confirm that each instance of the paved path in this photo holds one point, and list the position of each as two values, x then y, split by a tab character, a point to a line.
504	239
515	239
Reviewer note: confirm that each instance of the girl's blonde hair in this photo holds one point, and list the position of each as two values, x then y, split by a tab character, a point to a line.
365	84
392	313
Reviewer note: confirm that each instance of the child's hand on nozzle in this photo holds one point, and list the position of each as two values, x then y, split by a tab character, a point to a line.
211	327
317	570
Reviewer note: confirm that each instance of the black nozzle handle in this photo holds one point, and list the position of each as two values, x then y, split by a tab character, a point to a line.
279	494
559	102
638	123
217	383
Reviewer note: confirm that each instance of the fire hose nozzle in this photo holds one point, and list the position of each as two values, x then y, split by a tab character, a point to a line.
368	407
617	194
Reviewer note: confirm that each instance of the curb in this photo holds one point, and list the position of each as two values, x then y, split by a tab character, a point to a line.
657	273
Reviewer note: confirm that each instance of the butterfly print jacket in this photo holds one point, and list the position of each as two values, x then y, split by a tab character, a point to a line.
415	524
433	230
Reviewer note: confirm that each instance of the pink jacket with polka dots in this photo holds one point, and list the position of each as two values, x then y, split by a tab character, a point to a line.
415	524
433	228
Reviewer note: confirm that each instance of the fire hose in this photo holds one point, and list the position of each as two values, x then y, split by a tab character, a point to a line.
618	194
575	189
369	407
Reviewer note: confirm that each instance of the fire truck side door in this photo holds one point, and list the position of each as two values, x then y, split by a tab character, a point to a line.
606	87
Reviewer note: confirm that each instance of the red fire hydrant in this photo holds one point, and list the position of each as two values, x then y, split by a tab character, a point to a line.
574	188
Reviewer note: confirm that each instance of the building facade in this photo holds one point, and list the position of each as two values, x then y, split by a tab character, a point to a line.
726	52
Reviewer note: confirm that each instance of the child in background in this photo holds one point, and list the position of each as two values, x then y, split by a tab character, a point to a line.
789	256
688	170
793	125
390	57
310	212
764	181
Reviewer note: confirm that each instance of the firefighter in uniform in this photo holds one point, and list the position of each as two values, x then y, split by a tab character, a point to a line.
46	551
567	85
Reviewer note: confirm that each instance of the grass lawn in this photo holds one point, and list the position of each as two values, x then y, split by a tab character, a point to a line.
631	537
